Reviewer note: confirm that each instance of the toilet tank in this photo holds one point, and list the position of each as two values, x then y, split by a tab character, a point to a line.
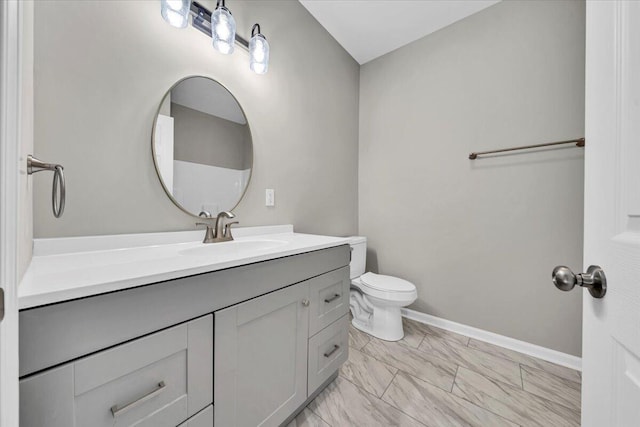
358	255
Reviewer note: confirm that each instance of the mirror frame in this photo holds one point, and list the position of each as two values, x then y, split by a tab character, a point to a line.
153	146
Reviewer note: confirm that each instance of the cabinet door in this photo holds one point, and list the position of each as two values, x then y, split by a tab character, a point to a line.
260	359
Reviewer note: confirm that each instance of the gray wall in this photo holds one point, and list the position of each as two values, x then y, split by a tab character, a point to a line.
209	140
101	70
480	238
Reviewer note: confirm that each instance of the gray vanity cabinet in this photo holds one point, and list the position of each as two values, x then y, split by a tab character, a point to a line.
260	358
277	335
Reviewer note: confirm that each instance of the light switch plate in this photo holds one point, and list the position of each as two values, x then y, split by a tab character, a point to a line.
270	197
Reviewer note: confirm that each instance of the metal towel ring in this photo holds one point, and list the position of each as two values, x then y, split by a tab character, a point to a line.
57	197
57	204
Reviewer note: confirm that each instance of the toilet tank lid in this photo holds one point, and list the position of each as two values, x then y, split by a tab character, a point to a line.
355	240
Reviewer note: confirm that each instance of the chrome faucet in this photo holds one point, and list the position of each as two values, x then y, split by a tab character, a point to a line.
221	232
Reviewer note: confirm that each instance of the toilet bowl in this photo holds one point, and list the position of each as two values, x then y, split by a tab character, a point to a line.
375	299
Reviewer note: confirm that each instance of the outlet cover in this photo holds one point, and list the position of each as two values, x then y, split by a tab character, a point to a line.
270	197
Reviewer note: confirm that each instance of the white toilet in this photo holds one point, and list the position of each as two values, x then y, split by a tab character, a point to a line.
376	300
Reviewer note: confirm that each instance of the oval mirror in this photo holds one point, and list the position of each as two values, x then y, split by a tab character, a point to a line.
202	146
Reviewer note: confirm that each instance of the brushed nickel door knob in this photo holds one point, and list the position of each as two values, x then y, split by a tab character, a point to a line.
564	278
594	280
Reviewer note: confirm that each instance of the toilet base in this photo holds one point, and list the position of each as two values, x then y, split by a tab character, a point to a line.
383	322
383	334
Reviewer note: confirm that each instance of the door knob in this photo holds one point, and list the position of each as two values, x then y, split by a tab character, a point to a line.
305	302
594	280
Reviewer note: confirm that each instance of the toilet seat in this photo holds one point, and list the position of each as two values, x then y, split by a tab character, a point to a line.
381	282
386	287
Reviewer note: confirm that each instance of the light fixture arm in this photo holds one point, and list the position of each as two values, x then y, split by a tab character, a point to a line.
221	5
253	29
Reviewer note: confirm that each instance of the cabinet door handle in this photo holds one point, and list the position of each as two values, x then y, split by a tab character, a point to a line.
332	299
333	350
305	302
118	410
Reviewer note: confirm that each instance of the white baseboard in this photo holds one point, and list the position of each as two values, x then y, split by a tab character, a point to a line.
534	350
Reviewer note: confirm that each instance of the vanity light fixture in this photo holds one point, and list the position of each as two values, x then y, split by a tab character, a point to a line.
221	27
176	12
258	51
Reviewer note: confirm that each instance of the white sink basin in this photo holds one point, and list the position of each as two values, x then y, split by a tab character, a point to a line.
234	247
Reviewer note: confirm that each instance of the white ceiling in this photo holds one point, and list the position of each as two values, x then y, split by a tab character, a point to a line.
368	29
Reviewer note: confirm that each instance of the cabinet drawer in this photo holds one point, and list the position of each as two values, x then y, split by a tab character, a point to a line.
329	299
203	418
328	349
158	380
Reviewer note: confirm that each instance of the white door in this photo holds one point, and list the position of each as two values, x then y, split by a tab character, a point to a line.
15	82
611	328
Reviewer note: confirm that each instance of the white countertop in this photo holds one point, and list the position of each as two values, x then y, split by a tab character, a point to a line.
69	268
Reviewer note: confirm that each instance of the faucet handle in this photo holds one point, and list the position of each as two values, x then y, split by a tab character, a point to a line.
227	229
205	214
203	223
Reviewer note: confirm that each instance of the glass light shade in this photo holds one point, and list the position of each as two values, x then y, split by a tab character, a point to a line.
223	30
259	52
175	12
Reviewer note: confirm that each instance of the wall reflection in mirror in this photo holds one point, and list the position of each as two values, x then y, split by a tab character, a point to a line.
202	146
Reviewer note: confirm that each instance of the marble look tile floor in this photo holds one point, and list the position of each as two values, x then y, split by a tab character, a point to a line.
436	378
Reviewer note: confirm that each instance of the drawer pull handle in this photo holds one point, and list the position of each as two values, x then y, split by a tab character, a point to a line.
116	410
332	299
333	350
